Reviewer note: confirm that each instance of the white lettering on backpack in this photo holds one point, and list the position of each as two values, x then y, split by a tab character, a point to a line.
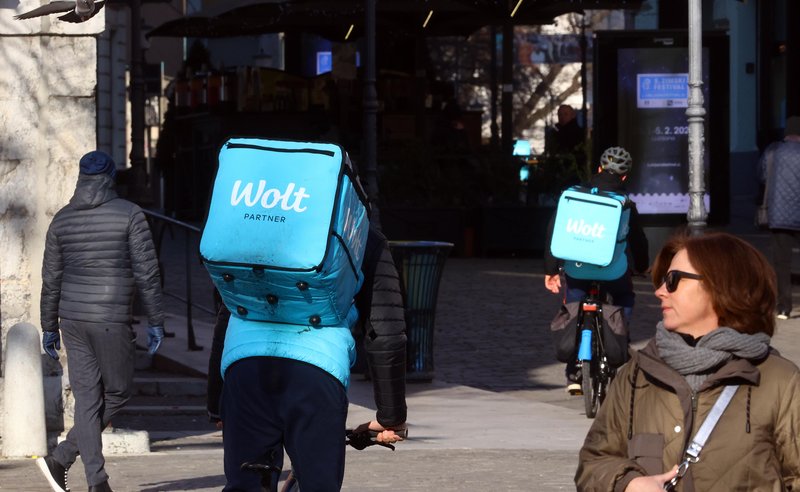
268	198
584	229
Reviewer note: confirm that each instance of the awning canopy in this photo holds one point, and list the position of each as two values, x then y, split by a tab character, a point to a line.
343	20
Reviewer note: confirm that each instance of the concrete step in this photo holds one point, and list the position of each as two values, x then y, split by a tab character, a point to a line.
164	410
160	385
122	441
165	413
164	401
169	405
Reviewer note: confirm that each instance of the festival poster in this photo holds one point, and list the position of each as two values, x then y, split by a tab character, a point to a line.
653	93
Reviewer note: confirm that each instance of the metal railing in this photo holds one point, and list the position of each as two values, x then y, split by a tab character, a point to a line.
160	225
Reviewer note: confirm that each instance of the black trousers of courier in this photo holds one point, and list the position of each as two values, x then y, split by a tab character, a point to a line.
269	403
101	362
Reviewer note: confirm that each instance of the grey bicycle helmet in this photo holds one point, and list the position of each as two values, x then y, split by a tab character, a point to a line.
616	160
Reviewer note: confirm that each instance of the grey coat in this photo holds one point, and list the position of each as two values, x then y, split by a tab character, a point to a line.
98	252
783	184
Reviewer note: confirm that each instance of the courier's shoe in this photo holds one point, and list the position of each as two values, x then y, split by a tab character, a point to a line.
574	389
54	472
783	315
573	373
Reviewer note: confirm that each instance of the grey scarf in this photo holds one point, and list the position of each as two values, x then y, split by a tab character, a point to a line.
698	362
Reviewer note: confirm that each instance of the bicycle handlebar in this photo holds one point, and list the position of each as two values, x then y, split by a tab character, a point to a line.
366	439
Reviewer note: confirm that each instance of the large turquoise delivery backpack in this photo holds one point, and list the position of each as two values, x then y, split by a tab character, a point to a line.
286	230
590	232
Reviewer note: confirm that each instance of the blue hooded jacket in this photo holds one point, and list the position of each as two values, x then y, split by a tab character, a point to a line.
331	348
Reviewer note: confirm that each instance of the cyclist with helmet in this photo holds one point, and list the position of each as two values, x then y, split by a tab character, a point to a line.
615	164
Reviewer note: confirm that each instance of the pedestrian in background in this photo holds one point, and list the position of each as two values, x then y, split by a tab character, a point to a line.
98	253
779	170
301	405
717	296
566	134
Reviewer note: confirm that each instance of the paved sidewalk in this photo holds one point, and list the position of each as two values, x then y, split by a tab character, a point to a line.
496	417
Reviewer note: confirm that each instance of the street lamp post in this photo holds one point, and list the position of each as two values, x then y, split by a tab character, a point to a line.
137	100
696	113
370	102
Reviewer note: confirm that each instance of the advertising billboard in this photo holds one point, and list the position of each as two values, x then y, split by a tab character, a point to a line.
642	92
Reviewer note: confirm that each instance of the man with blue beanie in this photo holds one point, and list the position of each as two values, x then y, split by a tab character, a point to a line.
98	253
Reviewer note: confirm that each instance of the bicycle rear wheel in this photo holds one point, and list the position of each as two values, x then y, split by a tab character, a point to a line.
590	386
590	369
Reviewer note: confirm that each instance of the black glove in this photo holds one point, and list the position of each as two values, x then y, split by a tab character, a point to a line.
51	343
155	334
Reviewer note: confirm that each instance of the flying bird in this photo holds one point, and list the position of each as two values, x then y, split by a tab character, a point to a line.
76	10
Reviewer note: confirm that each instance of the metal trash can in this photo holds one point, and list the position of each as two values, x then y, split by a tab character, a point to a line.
420	265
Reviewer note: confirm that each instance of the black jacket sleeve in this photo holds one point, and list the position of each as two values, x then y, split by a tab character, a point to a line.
214	390
144	263
380	305
52	272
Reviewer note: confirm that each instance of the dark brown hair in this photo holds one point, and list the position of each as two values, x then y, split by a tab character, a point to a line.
737	276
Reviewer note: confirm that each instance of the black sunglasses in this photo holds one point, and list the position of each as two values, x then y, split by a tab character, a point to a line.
673	278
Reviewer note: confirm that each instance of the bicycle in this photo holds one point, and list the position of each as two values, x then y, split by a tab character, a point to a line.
596	372
268	470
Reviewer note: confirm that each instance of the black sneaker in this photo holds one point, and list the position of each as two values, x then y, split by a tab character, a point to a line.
54	472
574	376
783	315
100	487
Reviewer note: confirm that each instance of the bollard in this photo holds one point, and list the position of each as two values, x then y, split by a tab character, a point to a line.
24	432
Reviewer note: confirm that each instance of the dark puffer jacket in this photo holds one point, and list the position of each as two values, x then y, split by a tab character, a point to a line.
98	252
783	188
382	321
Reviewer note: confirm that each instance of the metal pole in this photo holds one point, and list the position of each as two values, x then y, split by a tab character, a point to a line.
696	113
506	106
495	141
584	44
370	116
190	339
137	98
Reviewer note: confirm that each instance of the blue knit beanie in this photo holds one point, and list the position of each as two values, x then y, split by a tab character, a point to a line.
97	162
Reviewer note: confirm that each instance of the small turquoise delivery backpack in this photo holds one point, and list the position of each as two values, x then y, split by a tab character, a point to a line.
590	232
286	231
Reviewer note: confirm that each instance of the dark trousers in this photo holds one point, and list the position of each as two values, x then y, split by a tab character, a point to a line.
783	240
269	403
100	360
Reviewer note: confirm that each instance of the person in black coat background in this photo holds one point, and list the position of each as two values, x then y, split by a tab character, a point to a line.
98	253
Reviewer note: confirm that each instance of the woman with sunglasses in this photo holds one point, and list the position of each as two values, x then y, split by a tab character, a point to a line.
717	296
